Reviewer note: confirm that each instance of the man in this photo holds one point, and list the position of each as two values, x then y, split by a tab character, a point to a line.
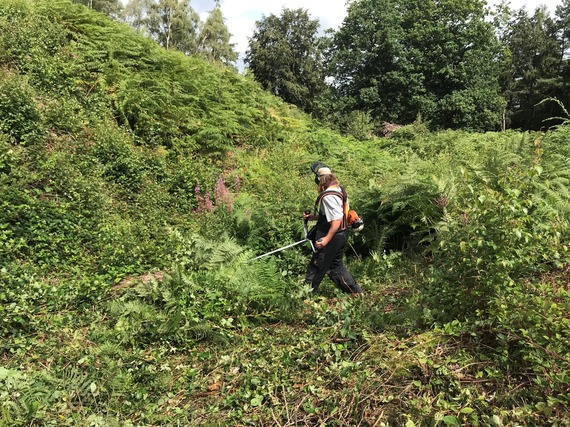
331	234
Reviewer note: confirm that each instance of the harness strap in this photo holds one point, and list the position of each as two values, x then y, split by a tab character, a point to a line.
343	197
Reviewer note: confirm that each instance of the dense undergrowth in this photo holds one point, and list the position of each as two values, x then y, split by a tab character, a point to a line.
136	187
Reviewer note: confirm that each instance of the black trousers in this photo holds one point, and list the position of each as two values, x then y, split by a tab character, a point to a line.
328	261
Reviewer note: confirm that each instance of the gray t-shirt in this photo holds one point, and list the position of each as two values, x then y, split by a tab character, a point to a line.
331	205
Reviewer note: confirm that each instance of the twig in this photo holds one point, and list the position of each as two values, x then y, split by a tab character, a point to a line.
275	418
286	404
378	420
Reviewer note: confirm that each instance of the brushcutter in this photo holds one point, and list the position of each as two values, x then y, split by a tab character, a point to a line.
306	239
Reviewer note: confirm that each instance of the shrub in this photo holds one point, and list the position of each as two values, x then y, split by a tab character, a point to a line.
491	238
122	163
19	117
210	290
7	156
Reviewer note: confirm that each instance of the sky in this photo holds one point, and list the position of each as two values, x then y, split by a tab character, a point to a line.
241	15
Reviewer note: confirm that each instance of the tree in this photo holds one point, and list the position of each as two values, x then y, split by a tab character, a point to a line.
172	23
535	70
562	14
400	58
563	26
284	56
214	39
136	13
108	7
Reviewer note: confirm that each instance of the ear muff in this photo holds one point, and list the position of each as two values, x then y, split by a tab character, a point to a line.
315	169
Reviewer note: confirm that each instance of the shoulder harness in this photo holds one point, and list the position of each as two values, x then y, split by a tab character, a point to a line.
344	198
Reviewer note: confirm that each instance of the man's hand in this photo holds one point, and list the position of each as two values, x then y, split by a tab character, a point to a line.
309	217
322	242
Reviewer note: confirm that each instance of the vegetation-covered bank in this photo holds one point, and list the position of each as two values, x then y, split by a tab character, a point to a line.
137	184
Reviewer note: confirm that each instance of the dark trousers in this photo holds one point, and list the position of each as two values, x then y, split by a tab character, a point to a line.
328	261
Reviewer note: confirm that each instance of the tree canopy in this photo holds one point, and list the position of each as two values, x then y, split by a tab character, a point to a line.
535	69
174	24
109	7
440	59
214	40
285	58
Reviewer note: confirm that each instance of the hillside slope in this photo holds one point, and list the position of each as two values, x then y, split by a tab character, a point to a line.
136	186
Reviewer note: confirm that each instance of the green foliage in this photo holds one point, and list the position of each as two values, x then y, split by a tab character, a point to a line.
19	116
411	132
357	124
211	290
128	297
399	59
108	7
123	163
7	156
214	39
401	217
495	234
535	69
284	57
38	229
172	23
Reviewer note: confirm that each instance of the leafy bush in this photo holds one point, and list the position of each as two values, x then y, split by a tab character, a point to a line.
411	132
358	124
491	238
7	155
532	336
64	116
122	164
203	334
19	117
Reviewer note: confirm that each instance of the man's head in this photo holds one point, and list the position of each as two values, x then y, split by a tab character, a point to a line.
327	180
320	169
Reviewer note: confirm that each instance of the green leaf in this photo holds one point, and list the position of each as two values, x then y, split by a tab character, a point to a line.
257	400
451	420
4	373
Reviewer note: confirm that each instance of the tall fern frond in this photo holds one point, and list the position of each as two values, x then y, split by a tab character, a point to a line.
225	252
564	119
496	158
556	195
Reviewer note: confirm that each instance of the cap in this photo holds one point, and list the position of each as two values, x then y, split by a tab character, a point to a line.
316	166
319	169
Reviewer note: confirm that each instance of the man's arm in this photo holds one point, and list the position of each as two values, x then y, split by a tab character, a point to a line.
334	226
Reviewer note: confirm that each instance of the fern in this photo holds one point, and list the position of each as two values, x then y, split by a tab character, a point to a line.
76	382
210	285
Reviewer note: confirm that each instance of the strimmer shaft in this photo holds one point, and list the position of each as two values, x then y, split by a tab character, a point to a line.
280	249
